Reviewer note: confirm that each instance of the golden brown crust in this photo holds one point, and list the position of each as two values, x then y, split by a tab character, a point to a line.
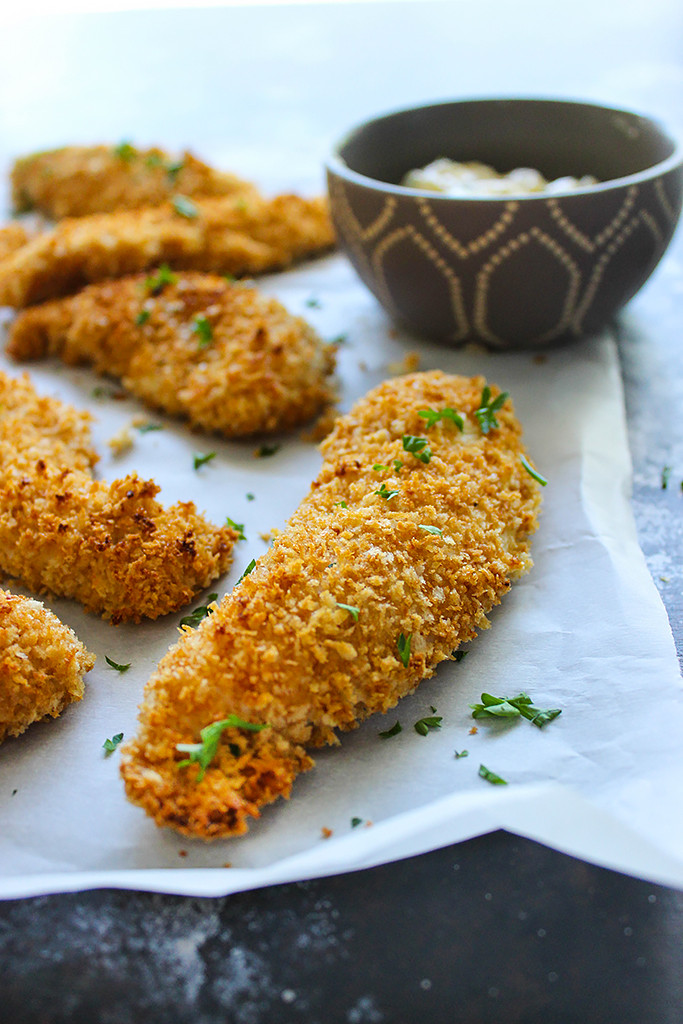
281	650
253	368
112	547
12	237
225	236
76	181
42	663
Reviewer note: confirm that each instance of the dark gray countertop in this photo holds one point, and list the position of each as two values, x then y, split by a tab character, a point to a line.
526	934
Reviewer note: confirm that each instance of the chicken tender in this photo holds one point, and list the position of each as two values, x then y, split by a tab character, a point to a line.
42	663
226	235
112	547
412	532
219	354
12	237
75	181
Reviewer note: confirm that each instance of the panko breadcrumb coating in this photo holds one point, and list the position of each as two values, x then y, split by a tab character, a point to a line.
392	560
12	237
112	547
75	181
227	235
217	353
42	663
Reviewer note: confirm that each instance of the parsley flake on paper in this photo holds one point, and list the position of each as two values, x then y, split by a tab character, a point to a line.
148	428
266	450
199	613
424	725
513	707
355	822
486	413
109	746
114	664
394	731
666	473
201	459
203	753
434	416
532	472
486	773
417	446
461	753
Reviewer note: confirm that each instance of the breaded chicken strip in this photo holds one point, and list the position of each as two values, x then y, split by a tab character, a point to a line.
219	354
410	535
42	663
75	181
228	235
12	237
112	547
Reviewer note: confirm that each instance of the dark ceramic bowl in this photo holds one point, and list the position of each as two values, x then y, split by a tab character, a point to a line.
514	271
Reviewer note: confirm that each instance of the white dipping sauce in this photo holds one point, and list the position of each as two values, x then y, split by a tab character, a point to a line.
475	179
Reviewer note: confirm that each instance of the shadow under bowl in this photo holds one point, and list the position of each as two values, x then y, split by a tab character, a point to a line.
527	271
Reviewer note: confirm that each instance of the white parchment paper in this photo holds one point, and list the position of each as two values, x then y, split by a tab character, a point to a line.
584	631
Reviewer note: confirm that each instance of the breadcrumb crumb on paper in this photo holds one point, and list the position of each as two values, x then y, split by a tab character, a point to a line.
283	651
42	664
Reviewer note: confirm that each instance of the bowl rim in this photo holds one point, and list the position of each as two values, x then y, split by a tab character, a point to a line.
335	164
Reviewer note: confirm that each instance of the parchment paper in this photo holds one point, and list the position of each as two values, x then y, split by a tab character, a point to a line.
585	631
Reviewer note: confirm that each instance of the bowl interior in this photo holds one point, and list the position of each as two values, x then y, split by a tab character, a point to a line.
553	136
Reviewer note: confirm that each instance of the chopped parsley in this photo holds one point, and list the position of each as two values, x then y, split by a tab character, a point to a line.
125	151
313	303
250	496
203	329
424	725
432	529
394	731
351	609
201	459
513	707
203	753
142	317
343	504
153	160
158	281
532	472
486	773
378	467
461	753
267	449
385	493
666	473
340	339
403	644
185	207
237	527
355	822
458	655
147	428
109	746
114	664
173	169
417	446
434	416
249	568
199	613
486	413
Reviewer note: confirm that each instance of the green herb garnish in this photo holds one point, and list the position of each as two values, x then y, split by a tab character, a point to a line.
355	822
174	169
486	773
201	460
417	446
461	753
153	160
185	207
203	753
403	644
532	472
142	317
513	707
250	496
313	303
486	413
147	428
434	416
199	613
423	725
249	568
237	527
114	664
340	339
378	467
109	746
666	473
394	731
158	281
351	609
432	529
267	449
202	327
125	151
343	504
385	493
